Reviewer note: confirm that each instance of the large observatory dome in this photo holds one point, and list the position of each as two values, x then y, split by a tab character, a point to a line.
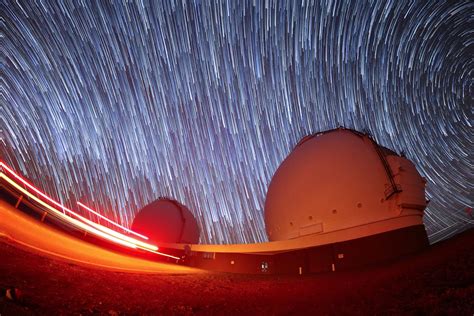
167	220
341	181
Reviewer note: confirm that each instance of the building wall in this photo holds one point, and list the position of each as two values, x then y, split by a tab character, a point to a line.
332	257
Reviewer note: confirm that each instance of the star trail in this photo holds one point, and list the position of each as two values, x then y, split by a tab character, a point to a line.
115	104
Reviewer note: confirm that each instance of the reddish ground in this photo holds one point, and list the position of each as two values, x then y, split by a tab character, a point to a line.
438	281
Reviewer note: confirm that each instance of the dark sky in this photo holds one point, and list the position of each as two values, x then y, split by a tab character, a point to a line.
115	104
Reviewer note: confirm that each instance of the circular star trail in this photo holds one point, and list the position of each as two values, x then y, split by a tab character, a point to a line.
115	104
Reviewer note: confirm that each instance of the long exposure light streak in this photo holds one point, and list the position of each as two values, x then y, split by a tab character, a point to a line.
68	219
81	222
110	221
67	210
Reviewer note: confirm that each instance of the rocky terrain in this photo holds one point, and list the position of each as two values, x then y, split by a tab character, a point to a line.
439	281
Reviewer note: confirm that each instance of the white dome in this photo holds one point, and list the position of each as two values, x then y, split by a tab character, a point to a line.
338	180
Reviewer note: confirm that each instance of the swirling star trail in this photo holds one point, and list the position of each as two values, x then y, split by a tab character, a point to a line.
115	104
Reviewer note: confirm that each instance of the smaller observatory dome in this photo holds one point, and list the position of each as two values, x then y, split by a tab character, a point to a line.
166	220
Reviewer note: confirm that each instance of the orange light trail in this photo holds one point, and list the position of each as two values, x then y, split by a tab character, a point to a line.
69	219
110	221
166	255
97	226
86	224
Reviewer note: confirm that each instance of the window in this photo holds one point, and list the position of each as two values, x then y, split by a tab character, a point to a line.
209	255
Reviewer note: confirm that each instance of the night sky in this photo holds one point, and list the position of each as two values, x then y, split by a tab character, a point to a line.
116	104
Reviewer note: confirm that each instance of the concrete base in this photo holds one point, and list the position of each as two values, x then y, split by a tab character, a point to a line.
331	257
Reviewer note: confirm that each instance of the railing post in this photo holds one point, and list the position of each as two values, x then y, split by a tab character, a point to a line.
19	201
44	216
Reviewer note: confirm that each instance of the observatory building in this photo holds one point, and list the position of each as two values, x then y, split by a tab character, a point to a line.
341	184
338	201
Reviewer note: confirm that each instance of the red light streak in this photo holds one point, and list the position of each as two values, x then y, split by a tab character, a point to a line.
86	224
110	221
69	219
39	192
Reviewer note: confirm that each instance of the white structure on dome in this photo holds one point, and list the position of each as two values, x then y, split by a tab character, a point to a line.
340	183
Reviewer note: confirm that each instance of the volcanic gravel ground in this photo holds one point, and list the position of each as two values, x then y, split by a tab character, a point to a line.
439	281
